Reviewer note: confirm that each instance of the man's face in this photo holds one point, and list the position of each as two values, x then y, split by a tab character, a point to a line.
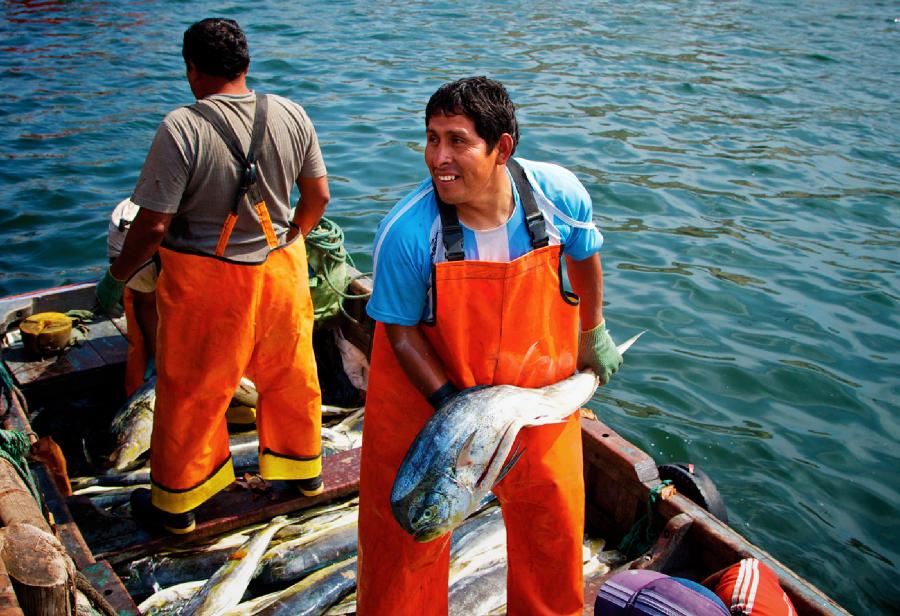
461	167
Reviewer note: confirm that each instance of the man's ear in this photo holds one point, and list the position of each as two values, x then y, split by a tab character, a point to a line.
504	148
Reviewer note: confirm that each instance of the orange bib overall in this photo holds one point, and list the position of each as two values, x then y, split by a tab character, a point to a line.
217	322
496	323
136	358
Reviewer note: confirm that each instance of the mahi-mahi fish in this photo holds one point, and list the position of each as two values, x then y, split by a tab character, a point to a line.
466	447
227	585
131	427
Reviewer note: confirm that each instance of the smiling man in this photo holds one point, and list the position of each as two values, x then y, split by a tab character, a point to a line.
468	292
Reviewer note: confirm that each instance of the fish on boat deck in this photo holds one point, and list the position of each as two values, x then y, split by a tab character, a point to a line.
228	584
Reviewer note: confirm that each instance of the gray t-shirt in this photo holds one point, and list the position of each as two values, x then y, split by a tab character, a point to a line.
190	172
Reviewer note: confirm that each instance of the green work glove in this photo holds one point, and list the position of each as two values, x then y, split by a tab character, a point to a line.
109	293
597	351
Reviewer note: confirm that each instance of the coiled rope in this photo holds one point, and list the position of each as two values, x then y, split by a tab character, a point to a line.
326	240
14	446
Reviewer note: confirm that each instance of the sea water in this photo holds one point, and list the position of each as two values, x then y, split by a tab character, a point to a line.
743	162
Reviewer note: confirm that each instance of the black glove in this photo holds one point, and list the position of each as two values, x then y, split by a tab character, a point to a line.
442	395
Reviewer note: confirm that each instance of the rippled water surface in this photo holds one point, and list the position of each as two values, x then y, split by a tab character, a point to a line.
743	161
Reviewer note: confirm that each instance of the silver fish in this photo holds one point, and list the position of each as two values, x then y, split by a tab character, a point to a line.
228	584
143	575
245	394
461	451
169	600
479	593
131	427
345	607
345	435
293	560
195	560
314	594
465	448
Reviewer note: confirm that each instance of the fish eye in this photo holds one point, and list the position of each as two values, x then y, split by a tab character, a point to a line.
429	513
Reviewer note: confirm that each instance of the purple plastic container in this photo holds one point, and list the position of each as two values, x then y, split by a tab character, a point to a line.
617	592
648	593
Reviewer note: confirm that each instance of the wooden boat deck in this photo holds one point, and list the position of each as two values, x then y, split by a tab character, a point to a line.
618	481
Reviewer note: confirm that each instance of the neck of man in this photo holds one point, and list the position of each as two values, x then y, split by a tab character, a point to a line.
204	85
491	209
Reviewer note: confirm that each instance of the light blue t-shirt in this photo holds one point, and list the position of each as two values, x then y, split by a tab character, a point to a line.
409	239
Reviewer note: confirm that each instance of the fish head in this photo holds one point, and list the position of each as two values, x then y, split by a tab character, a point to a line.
428	514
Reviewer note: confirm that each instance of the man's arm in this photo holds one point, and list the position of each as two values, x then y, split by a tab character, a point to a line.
142	241
420	362
586	277
314	196
596	349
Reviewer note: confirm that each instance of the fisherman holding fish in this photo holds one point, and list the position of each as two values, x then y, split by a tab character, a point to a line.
233	291
468	292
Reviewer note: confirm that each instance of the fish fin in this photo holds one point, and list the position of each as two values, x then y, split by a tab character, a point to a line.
501	453
516	454
464	458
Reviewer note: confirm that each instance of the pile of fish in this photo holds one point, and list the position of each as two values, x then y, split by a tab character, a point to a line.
125	466
306	564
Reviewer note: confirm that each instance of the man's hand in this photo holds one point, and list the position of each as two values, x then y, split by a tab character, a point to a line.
109	293
448	392
597	351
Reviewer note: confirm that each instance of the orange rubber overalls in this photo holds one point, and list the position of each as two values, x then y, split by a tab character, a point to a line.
218	321
136	358
496	323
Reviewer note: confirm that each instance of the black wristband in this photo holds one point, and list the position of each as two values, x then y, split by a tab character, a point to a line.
442	394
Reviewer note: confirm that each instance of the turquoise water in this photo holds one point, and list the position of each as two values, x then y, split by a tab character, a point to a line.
743	161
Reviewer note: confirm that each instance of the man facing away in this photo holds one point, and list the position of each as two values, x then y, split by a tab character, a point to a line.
233	292
467	292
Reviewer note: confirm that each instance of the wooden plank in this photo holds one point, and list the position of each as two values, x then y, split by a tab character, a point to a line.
109	343
118	538
120	324
66	530
28	371
102	577
104	345
618	478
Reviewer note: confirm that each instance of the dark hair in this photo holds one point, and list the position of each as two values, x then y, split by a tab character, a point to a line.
216	47
485	101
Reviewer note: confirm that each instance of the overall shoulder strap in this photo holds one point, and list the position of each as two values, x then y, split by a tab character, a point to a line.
247	161
534	218
451	230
